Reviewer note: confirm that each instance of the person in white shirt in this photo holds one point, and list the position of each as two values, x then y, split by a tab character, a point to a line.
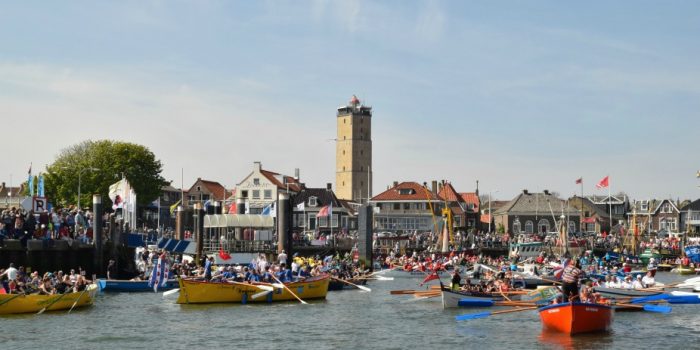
637	283
11	272
627	283
648	280
282	257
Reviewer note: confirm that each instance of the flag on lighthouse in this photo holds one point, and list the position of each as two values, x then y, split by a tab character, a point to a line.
604	183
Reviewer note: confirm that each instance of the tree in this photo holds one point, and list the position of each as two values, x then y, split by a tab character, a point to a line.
110	160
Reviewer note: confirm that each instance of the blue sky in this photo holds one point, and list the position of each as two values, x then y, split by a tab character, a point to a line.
516	94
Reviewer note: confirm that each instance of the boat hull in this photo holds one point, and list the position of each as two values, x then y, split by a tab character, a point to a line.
132	286
576	318
450	299
621	292
335	285
33	303
202	292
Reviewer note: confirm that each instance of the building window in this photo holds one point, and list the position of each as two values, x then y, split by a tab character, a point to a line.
407	206
543	226
590	227
644	205
397	206
572	226
379	205
529	227
267	194
256	194
244	194
516	226
312	201
256	182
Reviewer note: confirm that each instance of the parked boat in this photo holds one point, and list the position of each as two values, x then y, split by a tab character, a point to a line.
200	292
20	303
576	318
649	253
105	285
623	292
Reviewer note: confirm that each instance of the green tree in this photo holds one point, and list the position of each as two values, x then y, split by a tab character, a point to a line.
101	164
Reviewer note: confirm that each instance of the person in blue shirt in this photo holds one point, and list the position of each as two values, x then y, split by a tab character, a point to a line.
253	277
267	277
207	268
282	274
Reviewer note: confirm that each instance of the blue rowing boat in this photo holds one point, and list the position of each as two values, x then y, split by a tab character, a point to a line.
132	286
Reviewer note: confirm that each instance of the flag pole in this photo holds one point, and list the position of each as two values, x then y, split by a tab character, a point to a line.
610	205
582	211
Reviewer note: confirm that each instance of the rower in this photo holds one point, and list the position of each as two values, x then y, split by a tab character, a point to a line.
648	280
570	277
456	280
637	283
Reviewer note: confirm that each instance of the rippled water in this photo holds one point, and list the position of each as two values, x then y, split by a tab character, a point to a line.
347	319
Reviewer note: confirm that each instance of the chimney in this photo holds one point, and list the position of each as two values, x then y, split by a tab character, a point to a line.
440	185
434	187
329	186
546	192
477	188
525	191
296	174
257	166
396	183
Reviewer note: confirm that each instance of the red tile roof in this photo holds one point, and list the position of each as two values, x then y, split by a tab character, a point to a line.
217	190
281	181
448	193
471	198
416	193
485	218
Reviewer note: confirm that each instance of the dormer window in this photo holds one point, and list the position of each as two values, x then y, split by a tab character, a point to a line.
644	205
312	202
406	191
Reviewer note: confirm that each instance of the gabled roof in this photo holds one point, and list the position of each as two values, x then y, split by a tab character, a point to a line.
694	205
323	198
588	203
281	181
536	203
598	200
414	192
217	190
662	203
448	193
471	198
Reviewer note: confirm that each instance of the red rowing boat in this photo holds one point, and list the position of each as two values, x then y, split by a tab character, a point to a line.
574	318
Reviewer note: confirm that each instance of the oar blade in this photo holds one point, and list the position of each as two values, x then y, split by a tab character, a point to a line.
472	316
657	308
265	288
641	300
382	278
366	289
261	294
278	285
171	292
475	303
690	299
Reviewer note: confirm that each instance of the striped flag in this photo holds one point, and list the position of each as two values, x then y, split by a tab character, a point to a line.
159	276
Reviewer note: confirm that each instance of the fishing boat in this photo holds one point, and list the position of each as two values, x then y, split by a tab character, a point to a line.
576	318
202	292
450	298
105	285
623	292
648	254
20	303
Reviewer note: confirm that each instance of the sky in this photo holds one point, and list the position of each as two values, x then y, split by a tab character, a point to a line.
515	94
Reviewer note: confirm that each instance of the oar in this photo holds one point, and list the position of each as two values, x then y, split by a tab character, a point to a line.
487	303
261	294
10	298
352	284
487	314
288	290
641	300
404	291
648	307
51	304
77	300
689	299
171	292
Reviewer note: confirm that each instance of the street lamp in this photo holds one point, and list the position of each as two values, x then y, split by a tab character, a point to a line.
490	214
80	174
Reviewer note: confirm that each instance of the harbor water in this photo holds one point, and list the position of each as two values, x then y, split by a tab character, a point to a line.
348	319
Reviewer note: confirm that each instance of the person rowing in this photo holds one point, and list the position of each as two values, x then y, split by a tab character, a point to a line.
570	277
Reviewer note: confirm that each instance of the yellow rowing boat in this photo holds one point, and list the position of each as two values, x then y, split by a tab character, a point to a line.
200	292
20	303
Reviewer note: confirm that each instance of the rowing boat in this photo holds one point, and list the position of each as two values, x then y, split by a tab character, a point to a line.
336	285
202	292
450	298
575	318
132	286
20	303
684	270
623	292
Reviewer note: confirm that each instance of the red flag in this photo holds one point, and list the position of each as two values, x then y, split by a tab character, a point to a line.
604	183
232	208
430	277
224	255
579	181
323	212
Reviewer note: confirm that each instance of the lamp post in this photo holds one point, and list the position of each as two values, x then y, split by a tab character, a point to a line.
490	214
80	174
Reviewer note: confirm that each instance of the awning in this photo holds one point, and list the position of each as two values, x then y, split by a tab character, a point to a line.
239	220
177	246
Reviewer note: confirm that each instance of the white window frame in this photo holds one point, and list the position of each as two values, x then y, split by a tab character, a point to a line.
313	201
267	194
529	227
256	194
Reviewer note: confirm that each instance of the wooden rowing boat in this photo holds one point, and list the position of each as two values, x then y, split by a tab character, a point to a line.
625	293
20	303
576	318
450	298
132	286
202	292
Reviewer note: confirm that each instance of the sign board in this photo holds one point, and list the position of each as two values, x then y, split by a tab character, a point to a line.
39	204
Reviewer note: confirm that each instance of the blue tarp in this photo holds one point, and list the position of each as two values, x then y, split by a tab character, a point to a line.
135	240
